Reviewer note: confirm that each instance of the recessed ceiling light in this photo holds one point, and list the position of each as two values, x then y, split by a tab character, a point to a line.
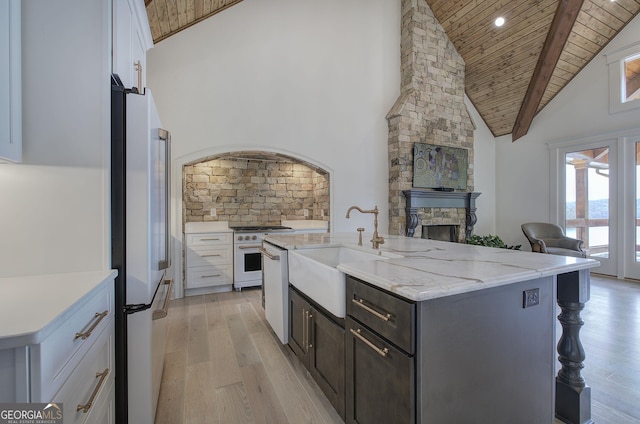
499	22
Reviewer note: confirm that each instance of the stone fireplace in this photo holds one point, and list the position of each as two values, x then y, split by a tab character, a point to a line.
430	109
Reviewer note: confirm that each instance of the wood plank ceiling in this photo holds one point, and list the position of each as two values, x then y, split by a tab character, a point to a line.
501	62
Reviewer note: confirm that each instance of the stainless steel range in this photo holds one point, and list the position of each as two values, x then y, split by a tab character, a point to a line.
247	260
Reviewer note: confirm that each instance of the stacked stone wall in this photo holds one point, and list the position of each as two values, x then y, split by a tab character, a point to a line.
253	192
430	108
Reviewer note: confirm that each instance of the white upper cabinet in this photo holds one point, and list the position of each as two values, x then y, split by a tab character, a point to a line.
131	40
10	82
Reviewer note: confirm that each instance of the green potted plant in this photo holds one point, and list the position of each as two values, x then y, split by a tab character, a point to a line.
490	241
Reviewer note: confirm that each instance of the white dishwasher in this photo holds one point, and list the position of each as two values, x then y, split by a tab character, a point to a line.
275	282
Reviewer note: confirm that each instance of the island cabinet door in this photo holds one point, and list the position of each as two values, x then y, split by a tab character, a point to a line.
380	379
326	360
299	311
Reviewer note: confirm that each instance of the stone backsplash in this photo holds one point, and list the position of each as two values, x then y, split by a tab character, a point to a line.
253	192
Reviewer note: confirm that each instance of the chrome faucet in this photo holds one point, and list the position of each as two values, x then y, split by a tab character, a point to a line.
377	240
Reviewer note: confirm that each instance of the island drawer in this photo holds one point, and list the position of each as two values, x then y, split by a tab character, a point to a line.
389	316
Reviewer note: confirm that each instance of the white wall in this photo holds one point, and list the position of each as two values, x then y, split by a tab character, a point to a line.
484	151
580	109
54	206
308	78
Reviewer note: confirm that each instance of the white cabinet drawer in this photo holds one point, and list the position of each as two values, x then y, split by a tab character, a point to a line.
91	382
209	276
205	256
55	358
210	239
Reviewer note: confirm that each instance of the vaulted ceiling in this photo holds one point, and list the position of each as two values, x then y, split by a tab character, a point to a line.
512	71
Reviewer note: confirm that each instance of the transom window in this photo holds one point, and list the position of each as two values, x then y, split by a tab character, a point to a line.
632	78
624	78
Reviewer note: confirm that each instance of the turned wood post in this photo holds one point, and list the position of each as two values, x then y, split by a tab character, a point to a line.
573	396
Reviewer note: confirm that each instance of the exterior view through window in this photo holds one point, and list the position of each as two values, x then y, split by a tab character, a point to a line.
587	199
632	78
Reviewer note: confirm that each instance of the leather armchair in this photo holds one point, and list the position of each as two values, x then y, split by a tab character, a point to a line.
550	238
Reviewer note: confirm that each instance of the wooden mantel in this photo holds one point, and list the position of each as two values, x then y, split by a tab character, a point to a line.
421	198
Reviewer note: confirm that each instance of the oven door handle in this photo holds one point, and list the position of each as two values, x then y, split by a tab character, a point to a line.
250	247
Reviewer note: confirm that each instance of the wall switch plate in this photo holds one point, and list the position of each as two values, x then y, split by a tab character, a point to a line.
213	212
306	213
531	298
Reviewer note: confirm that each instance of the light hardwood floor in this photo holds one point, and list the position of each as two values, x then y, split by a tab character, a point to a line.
224	365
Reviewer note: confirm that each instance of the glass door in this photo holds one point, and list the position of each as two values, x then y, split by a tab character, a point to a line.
589	212
631	240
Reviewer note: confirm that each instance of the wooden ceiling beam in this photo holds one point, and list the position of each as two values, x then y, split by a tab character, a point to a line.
563	21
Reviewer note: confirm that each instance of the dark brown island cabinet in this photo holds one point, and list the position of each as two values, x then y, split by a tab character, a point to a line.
485	356
317	338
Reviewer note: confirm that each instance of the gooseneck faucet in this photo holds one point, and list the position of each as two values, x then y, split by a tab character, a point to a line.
377	240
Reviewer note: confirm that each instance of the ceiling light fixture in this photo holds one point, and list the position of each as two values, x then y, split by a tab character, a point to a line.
499	21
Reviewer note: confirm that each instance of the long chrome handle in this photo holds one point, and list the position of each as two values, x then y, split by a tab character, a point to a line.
269	255
102	375
304	330
209	239
161	313
360	303
381	352
210	255
209	276
309	328
250	247
100	316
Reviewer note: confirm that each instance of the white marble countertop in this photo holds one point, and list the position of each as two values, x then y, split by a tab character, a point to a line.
33	306
429	269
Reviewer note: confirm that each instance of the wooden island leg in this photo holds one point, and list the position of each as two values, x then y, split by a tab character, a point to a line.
573	396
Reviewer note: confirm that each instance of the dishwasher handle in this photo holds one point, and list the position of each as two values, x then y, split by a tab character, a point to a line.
269	255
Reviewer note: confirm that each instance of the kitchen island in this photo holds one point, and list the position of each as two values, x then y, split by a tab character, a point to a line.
480	330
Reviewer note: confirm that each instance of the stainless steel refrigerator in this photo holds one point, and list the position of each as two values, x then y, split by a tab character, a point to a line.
140	249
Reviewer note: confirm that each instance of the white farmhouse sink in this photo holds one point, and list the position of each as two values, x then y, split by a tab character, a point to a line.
313	272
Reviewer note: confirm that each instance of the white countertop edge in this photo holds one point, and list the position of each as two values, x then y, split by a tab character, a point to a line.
47	321
419	292
207	227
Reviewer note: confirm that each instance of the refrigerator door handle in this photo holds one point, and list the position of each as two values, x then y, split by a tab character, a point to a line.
161	313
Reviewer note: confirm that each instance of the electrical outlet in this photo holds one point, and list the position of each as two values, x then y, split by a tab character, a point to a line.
214	212
531	298
306	213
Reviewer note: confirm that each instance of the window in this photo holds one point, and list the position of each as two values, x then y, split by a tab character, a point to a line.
624	78
632	78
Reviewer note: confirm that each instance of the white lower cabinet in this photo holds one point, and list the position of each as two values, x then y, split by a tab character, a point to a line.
90	384
209	260
70	361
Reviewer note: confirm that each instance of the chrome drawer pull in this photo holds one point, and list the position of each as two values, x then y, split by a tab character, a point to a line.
87	333
102	375
161	313
209	239
209	276
212	254
269	255
381	352
361	304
